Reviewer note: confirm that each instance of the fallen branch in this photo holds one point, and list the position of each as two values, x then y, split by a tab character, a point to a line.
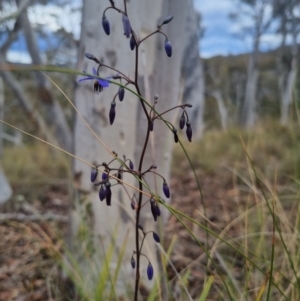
32	217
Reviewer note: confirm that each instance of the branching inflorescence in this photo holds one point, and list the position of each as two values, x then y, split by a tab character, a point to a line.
112	176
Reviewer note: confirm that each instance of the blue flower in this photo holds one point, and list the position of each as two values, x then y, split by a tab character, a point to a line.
99	84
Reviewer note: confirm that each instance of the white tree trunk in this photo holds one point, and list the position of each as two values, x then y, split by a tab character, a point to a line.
287	94
158	74
53	112
192	72
287	79
222	108
249	109
6	191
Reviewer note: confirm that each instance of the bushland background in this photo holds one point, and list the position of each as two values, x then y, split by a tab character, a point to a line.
245	152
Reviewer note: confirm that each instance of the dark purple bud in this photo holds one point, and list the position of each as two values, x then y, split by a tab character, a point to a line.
131	166
157	210
167	20
182	121
121	93
119	175
112	112
105	25
175	136
102	193
150	271
168	48
132	262
166	189
189	132
156	237
151	126
132	204
132	42
104	176
126	26
140	227
153	209
94	174
108	194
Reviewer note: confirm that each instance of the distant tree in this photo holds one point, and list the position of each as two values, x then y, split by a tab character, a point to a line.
288	14
254	18
14	22
216	85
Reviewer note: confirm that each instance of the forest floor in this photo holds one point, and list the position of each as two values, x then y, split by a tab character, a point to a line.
32	231
29	244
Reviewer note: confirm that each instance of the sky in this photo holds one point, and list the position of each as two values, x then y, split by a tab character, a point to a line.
219	31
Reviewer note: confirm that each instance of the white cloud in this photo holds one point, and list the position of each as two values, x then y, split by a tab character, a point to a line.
54	17
18	57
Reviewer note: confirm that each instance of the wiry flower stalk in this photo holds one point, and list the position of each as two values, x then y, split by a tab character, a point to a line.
114	175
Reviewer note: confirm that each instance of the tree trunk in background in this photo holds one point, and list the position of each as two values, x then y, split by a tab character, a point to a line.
259	21
192	71
249	109
287	79
6	191
287	92
222	108
53	111
158	74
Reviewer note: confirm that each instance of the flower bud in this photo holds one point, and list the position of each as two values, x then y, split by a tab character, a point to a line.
132	42
131	166
94	174
150	271
168	48
126	26
104	176
182	121
175	135
157	210
119	175
153	209
121	93
112	112
108	194
132	204
151	126
132	262
189	131
166	189
156	237
167	20
102	193
105	25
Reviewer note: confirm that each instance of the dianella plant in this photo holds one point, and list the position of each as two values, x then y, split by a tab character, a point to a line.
145	198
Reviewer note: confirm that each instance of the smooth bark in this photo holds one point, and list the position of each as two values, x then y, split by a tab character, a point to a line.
53	111
157	74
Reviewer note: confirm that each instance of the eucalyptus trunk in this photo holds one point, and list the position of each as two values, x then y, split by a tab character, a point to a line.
158	75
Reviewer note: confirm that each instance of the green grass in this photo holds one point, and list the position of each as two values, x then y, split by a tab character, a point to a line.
272	148
31	169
